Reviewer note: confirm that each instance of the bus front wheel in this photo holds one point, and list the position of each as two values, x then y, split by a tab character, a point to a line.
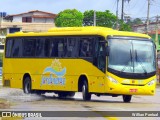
127	98
86	95
27	86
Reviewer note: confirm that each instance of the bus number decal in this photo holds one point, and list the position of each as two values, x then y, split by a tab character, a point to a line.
54	74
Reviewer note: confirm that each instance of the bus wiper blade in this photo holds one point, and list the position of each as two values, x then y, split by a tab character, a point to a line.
140	62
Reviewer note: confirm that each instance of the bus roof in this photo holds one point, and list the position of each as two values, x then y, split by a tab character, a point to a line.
89	30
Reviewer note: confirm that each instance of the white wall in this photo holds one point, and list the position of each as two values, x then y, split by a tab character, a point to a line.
34	20
42	20
17	19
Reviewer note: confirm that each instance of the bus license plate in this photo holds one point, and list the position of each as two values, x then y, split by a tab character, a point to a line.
133	90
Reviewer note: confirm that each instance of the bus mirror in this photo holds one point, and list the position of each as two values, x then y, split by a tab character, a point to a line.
107	50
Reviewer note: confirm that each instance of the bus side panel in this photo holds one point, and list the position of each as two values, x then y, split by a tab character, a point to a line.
16	81
11	75
54	74
96	84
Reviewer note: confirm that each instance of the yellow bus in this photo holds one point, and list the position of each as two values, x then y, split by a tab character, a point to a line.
91	60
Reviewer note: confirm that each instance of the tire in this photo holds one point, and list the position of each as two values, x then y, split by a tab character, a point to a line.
85	94
127	98
27	86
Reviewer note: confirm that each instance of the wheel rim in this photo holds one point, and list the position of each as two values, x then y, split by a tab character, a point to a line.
84	91
27	87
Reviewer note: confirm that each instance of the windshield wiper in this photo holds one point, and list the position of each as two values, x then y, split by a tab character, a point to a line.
140	62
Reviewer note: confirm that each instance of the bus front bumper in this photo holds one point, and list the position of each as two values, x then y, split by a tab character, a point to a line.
120	89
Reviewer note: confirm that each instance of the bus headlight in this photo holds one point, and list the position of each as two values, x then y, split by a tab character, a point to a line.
112	80
152	82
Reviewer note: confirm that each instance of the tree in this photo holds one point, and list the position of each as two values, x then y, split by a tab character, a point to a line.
124	26
135	21
105	19
69	18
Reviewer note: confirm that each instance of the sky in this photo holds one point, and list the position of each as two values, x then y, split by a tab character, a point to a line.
135	8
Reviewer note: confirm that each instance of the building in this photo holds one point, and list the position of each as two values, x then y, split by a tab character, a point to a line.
141	28
32	21
153	29
34	16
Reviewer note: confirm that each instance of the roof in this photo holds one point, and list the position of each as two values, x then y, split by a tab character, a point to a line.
50	14
90	30
151	23
154	32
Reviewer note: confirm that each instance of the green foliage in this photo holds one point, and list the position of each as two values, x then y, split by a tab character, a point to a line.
69	18
136	21
74	18
124	26
105	19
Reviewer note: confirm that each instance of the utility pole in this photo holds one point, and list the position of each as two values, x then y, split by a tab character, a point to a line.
122	14
94	19
156	38
122	10
117	15
147	28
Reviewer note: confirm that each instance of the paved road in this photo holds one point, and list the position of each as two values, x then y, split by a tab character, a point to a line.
50	102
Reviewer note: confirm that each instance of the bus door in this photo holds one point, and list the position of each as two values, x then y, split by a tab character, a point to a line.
100	63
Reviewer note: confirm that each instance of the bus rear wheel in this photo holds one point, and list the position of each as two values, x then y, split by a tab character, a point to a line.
86	95
127	98
27	86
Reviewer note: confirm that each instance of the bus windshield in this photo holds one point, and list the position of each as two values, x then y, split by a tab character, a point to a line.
132	56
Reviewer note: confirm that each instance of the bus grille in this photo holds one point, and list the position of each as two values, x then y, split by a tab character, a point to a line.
133	84
7	83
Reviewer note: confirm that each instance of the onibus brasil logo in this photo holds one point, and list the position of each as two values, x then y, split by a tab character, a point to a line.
54	74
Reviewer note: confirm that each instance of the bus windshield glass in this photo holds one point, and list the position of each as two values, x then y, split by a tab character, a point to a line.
132	56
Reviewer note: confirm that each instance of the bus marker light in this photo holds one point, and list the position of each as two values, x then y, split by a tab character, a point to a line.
133	81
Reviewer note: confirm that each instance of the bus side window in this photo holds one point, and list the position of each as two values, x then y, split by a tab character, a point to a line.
40	48
72	47
86	47
29	47
17	48
53	48
47	47
62	47
9	47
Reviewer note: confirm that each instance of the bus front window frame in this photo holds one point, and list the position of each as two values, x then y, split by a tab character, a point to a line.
134	57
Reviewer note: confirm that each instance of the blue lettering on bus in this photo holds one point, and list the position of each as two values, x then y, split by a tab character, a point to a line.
58	72
50	80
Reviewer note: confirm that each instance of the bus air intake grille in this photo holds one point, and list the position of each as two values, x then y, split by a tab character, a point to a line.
133	84
7	83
